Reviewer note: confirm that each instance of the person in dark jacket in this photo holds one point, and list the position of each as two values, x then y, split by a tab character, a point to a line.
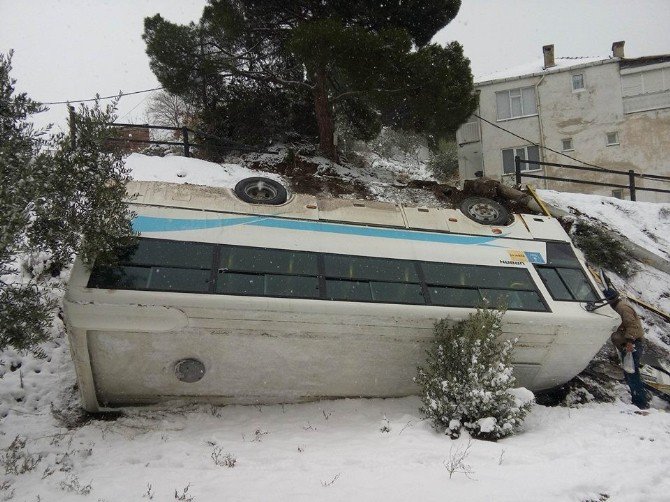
629	337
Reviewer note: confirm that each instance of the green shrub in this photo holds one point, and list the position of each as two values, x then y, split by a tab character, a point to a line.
601	249
444	162
467	379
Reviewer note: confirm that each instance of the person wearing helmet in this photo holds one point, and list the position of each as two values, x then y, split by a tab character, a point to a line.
629	337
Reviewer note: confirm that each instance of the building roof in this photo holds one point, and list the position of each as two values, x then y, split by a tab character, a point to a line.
537	68
644	61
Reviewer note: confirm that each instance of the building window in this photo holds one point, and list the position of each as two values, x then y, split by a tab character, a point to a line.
468	132
516	103
612	138
618	193
578	82
566	145
644	89
531	153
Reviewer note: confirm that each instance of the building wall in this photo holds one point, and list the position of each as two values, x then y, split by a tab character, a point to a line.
586	116
494	140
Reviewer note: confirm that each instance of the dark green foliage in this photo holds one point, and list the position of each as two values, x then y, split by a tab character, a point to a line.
467	376
601	249
360	64
444	161
55	201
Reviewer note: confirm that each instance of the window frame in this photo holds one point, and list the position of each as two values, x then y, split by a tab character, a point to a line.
617	141
576	266
509	102
322	278
583	82
527	166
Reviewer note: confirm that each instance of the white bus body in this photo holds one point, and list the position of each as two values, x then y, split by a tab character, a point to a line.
229	302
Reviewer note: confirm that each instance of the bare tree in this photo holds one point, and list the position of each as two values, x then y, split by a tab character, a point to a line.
170	110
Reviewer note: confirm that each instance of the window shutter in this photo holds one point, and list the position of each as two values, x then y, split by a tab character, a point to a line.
631	85
653	81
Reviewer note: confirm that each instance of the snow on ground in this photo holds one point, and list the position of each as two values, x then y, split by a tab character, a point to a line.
188	170
646	223
353	449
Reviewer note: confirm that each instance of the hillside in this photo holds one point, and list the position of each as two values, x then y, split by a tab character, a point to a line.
352	449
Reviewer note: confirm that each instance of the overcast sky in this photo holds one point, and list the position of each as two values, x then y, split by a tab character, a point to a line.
71	49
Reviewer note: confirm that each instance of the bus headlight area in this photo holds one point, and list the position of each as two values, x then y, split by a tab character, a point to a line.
224	301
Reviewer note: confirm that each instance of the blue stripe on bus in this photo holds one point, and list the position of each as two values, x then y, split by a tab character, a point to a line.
148	224
145	224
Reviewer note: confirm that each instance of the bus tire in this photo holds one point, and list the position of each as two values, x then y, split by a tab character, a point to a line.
485	211
259	190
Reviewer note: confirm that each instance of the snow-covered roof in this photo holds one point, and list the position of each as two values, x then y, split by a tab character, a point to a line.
536	67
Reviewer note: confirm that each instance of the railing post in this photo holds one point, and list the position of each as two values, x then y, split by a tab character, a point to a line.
187	146
631	184
517	169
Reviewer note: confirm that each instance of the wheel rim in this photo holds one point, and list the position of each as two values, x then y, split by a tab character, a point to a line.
483	211
260	190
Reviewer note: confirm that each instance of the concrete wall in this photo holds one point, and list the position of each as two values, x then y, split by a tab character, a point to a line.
586	116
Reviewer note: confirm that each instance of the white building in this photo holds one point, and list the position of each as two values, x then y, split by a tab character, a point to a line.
611	112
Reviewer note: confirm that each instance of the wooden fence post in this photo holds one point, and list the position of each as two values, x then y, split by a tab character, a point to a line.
187	146
631	184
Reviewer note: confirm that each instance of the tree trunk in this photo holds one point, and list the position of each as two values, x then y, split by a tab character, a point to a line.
324	117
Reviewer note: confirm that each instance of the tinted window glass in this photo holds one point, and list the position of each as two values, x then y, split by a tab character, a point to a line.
119	277
178	279
240	284
168	253
455	297
514	300
356	267
498	277
561	254
468	275
445	273
554	284
577	284
267	260
348	290
393	292
295	286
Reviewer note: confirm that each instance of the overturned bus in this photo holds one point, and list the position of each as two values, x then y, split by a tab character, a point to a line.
253	296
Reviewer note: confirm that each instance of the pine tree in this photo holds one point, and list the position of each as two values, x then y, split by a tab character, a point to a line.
55	201
467	378
369	63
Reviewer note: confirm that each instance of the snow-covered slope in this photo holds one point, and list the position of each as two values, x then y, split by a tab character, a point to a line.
379	449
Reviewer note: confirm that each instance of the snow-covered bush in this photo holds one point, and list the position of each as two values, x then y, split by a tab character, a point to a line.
467	380
601	249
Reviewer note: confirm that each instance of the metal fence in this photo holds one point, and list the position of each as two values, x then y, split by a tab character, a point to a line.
631	175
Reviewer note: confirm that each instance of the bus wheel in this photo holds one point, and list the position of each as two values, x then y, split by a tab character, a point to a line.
260	190
485	211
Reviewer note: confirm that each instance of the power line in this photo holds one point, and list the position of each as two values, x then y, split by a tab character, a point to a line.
538	145
121	94
644	176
